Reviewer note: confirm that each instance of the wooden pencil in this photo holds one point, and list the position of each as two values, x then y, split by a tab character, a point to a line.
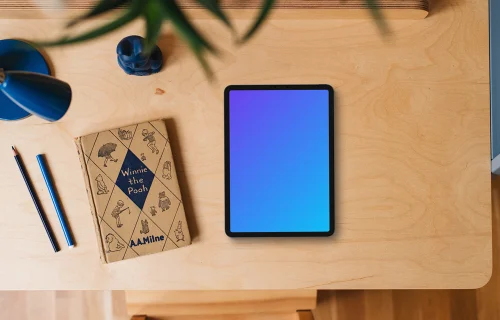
35	201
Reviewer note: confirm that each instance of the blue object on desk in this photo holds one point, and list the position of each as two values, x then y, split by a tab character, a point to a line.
24	92
36	202
16	55
495	85
55	200
36	93
133	61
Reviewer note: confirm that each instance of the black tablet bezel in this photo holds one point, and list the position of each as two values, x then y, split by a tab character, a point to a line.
227	163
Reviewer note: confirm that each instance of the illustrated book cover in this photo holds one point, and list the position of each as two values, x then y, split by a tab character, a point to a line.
133	190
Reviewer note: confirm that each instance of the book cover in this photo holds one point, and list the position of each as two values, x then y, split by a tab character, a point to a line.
133	191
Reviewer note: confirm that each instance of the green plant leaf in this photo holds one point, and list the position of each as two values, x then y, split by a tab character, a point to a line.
377	16
187	31
264	12
206	67
111	26
195	40
214	7
153	15
101	7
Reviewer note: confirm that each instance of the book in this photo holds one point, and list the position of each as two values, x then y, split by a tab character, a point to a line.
133	191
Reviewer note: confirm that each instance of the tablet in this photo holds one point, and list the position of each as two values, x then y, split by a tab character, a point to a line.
279	172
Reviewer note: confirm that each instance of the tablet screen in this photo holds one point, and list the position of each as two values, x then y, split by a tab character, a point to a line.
279	160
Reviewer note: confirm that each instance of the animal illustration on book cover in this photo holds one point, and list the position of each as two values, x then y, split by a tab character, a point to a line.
135	197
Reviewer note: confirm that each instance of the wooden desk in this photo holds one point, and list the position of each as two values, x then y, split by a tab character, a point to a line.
413	157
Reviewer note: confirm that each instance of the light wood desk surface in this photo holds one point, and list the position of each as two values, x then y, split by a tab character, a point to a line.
413	157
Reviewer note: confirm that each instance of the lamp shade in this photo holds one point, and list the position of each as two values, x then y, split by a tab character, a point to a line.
39	94
17	55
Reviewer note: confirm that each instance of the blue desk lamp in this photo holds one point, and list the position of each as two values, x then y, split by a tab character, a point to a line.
26	86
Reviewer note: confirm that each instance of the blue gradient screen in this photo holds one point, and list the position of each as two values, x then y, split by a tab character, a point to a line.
279	163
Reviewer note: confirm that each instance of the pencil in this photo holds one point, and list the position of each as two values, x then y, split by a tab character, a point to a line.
35	200
55	200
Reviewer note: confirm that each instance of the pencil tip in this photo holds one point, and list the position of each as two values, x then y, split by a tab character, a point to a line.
14	150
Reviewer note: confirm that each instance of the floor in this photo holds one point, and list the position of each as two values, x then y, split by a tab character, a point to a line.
481	304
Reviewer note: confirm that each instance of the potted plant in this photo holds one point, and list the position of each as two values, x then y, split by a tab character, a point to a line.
157	12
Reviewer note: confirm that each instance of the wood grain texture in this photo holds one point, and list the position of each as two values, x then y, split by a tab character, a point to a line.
405	305
206	303
480	304
236	4
106	305
258	316
397	9
412	157
488	296
63	305
305	315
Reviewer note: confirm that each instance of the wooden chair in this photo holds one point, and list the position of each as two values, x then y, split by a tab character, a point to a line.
224	305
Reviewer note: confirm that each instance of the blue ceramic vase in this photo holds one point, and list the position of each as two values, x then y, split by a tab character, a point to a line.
132	59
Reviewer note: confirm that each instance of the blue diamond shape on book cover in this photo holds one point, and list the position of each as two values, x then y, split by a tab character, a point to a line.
135	179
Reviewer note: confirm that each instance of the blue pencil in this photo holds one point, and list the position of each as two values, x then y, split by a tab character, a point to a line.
55	200
35	201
